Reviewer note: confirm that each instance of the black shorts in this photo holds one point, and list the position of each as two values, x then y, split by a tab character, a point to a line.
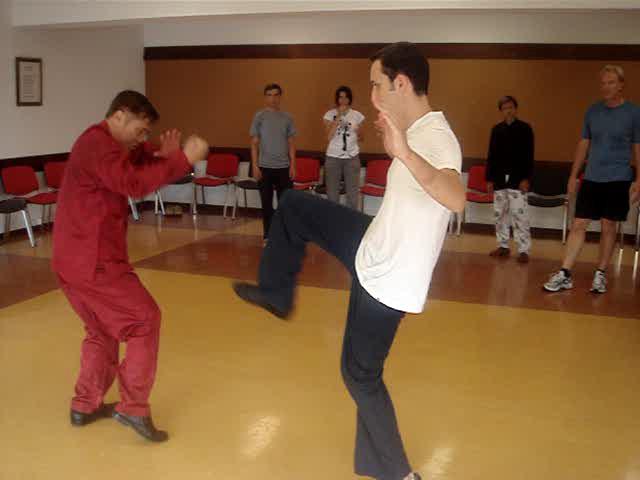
608	200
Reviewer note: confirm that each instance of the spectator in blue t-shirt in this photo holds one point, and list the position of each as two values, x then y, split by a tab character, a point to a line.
611	138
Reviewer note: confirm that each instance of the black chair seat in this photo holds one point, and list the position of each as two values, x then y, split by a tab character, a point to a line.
545	202
12	205
184	180
247	184
550	181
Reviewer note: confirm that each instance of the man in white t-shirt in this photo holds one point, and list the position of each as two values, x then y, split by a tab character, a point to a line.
342	160
391	257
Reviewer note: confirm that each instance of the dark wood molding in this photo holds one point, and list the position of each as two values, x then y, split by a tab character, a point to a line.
244	153
35	161
520	51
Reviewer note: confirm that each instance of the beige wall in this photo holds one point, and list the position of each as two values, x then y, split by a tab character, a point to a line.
83	69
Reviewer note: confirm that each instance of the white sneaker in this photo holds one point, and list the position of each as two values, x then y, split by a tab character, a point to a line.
558	281
599	284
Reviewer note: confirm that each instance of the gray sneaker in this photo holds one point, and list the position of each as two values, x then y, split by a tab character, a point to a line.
599	284
558	281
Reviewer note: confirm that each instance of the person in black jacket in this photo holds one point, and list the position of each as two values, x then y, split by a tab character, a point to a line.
509	170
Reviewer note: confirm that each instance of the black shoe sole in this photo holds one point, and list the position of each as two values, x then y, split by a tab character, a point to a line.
164	436
79	419
242	290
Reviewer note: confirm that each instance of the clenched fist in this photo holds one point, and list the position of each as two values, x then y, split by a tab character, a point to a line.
196	149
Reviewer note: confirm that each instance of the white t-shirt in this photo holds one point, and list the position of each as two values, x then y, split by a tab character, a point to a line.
397	255
344	143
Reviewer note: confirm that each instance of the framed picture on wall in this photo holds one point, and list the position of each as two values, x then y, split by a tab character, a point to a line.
28	82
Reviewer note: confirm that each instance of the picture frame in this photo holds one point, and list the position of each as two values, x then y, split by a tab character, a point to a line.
28	82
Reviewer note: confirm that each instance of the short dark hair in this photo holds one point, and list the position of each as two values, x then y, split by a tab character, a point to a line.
507	99
134	102
347	92
405	58
273	86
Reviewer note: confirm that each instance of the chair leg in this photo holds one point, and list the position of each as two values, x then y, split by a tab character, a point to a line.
204	200
27	224
461	219
246	204
226	199
565	212
161	203
638	230
47	216
194	201
134	209
231	187
158	203
235	201
5	226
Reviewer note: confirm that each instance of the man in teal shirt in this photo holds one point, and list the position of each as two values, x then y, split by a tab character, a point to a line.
611	137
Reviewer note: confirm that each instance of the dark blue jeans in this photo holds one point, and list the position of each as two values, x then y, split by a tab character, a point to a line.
371	326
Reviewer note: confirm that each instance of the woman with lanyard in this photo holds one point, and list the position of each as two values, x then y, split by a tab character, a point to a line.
343	131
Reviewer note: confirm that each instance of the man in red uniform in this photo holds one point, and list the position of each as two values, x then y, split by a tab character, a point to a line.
109	162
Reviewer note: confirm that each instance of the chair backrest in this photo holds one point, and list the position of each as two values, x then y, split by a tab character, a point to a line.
19	180
222	165
550	182
53	173
376	172
477	178
307	170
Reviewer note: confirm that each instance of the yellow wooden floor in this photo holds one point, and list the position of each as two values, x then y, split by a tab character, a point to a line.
482	392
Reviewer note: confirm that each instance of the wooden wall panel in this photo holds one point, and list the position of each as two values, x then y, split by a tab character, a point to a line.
218	97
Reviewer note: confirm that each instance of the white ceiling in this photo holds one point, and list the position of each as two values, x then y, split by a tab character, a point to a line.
91	12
